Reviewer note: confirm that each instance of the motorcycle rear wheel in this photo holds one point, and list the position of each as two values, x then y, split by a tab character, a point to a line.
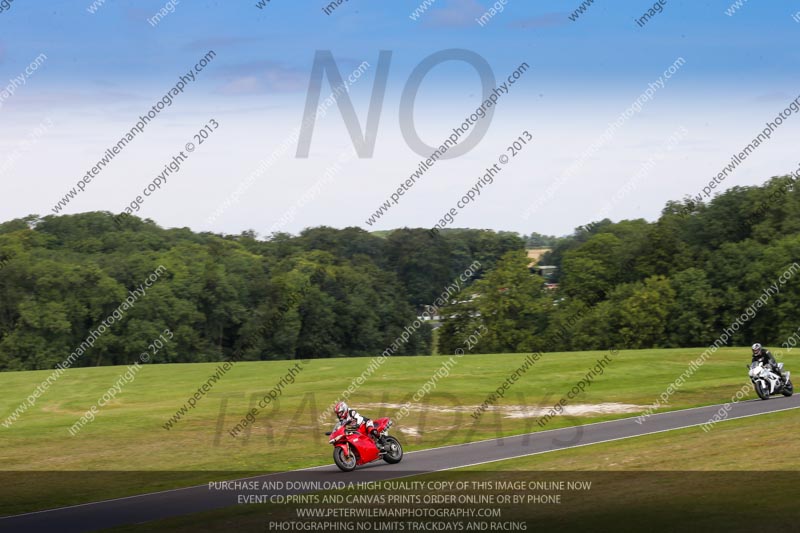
788	389
394	451
345	463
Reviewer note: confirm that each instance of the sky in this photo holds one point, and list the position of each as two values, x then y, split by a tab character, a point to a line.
622	117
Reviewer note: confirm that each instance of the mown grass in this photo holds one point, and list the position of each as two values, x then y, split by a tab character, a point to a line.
128	435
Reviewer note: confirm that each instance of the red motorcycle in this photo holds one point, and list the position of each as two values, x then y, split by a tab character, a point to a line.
352	446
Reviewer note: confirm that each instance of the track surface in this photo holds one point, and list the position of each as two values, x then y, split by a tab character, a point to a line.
159	505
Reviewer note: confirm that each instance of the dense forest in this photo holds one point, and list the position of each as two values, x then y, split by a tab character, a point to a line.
674	282
677	281
324	293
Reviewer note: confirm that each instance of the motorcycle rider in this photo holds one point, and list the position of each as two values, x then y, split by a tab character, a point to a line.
764	356
351	417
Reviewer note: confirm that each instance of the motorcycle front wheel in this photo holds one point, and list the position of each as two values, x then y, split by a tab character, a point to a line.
345	463
394	451
788	389
762	391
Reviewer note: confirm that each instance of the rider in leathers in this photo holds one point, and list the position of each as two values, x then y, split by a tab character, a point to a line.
762	355
350	417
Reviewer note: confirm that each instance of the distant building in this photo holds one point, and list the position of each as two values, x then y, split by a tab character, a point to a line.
548	272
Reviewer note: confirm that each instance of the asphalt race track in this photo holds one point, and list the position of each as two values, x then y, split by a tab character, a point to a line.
158	505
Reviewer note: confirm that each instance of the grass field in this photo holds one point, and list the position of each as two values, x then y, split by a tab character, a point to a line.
128	434
680	480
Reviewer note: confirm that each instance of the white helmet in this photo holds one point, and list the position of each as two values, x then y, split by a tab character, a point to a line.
757	348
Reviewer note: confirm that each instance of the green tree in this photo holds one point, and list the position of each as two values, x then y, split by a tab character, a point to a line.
694	319
510	303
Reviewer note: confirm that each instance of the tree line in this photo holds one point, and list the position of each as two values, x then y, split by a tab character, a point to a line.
323	293
674	282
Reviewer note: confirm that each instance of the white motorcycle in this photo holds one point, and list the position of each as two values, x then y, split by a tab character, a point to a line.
767	382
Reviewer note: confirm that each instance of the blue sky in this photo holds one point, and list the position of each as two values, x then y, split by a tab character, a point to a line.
604	47
103	69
